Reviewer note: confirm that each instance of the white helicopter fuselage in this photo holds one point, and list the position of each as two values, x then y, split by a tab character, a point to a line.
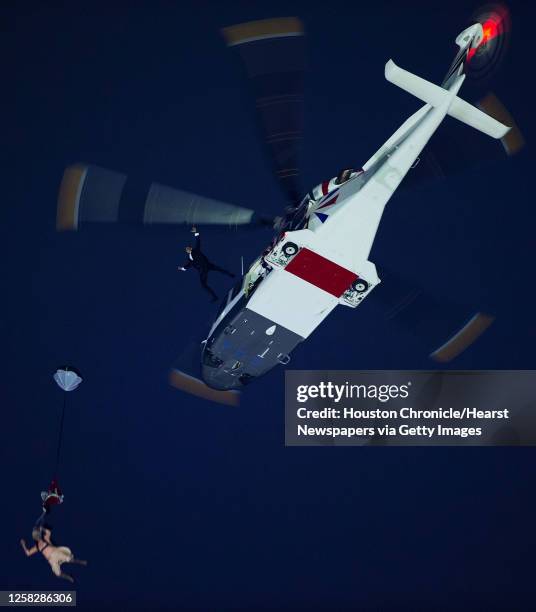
290	290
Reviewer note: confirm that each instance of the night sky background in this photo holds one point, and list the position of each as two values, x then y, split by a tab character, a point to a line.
183	504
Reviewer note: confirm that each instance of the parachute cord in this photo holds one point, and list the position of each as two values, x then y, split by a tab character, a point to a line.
60	435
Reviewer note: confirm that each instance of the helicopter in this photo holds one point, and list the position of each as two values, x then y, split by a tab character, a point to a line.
319	256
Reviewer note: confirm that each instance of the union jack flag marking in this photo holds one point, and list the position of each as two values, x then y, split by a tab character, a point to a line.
330	201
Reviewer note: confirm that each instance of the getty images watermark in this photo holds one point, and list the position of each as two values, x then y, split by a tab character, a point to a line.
387	407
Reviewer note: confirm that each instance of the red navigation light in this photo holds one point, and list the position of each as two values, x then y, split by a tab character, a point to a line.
490	30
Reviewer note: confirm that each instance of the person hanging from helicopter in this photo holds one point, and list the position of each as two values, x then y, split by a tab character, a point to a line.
198	260
68	379
55	555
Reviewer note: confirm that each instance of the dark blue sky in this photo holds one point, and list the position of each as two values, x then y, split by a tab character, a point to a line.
182	504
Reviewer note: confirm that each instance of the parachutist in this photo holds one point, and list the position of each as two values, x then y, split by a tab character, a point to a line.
198	260
55	555
68	379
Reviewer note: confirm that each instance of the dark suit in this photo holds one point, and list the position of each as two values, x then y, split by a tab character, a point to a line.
198	260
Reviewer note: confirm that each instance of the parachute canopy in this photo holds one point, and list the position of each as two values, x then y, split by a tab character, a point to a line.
67	378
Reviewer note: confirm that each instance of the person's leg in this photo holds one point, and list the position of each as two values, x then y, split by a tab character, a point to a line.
78	561
203	276
216	268
56	569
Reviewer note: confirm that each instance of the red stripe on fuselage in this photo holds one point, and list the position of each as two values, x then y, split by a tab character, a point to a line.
321	272
325	186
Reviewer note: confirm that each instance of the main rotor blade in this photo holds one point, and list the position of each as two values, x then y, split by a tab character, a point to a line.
90	194
273	54
446	328
455	148
185	375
